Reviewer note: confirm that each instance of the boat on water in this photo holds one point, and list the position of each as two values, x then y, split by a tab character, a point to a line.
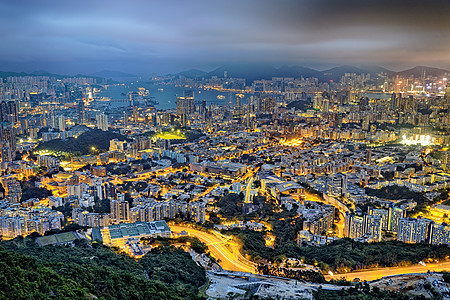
221	97
160	90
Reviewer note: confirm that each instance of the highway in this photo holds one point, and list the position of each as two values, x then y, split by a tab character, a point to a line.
219	247
374	274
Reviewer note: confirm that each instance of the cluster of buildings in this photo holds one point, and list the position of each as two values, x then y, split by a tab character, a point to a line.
21	221
141	210
370	225
422	230
284	136
318	218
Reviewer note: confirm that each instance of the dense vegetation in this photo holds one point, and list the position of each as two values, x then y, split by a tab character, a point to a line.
96	270
174	266
394	192
285	225
82	145
195	244
29	190
300	105
231	205
23	277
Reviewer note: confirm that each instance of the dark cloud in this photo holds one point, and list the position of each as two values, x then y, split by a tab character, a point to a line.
146	36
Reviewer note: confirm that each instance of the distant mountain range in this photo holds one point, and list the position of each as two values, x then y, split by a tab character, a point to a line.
255	72
39	73
101	74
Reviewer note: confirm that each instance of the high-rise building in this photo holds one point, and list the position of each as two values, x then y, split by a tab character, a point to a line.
414	230
61	123
445	159
326	105
354	226
186	104
120	210
9	111
135	114
337	184
125	119
369	156
8	118
266	104
12	226
439	234
197	211
383	214
81	112
395	100
102	122
372	227
238	105
7	141
395	214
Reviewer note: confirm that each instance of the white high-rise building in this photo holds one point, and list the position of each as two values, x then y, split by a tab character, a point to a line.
372	226
354	226
61	123
102	122
414	230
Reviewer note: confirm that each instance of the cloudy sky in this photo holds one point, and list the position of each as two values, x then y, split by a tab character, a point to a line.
145	36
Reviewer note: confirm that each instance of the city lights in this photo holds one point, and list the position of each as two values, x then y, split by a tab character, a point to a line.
423	140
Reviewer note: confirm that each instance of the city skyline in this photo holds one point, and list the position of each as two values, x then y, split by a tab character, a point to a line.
141	37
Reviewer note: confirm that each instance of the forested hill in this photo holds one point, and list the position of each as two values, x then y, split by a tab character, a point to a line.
95	271
89	142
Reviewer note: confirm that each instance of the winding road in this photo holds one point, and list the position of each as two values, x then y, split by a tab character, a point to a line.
221	248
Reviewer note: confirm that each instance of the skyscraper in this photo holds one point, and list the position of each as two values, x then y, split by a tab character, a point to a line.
8	118
135	114
186	104
102	122
61	123
81	112
238	105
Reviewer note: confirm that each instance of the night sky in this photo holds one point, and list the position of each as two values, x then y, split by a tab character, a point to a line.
144	36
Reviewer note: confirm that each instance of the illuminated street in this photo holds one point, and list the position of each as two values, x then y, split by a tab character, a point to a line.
248	189
219	247
382	272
